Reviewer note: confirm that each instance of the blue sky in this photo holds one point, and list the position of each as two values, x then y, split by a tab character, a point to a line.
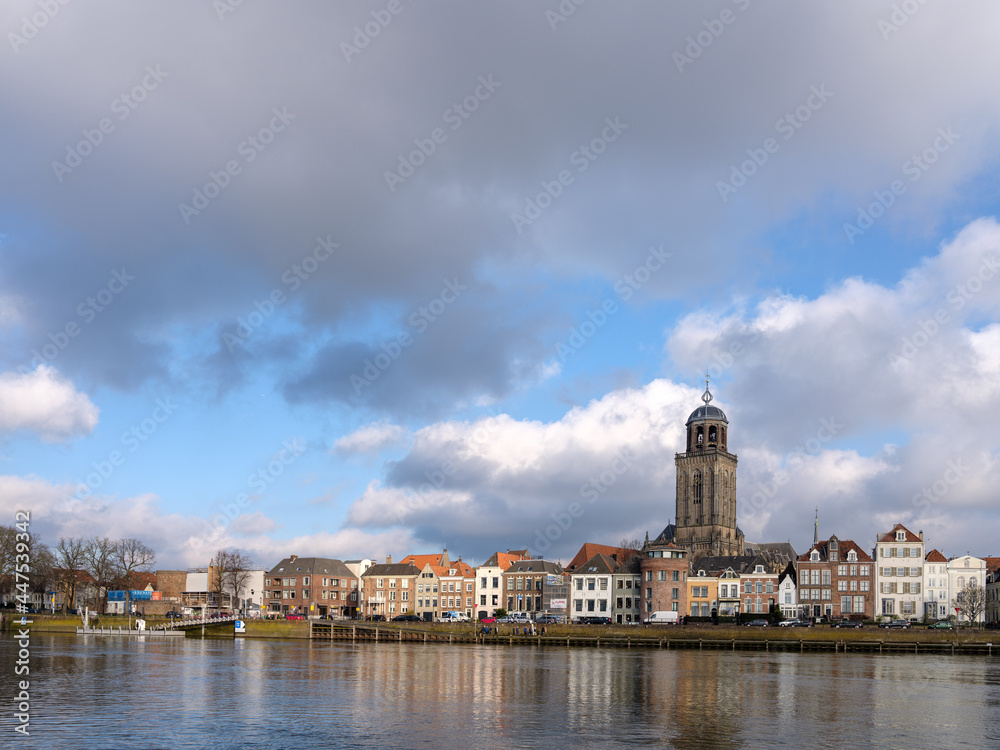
420	294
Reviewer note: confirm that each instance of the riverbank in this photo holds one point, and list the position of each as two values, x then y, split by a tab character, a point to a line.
673	636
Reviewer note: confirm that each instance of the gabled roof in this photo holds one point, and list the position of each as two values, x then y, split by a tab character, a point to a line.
630	565
777	553
390	570
320	566
741	564
420	561
789	572
891	535
461	568
504	560
992	563
843	547
589	549
600	564
935	557
535	566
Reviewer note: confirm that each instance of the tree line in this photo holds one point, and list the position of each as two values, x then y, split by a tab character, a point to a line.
97	564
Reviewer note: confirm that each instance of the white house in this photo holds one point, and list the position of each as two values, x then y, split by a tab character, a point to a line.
962	570
936	595
899	573
591	588
788	593
489	582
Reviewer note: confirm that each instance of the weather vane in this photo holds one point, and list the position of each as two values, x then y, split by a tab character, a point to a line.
707	395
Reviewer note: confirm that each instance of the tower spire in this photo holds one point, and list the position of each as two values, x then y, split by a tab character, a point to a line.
816	527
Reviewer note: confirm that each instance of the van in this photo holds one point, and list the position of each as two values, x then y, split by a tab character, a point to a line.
454	617
662	618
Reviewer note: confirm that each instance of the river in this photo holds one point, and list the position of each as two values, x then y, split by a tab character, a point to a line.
110	692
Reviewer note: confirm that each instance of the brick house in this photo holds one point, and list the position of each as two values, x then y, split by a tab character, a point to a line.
528	583
388	588
836	578
663	568
311	586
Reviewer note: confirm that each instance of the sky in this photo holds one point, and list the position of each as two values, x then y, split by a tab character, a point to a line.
366	279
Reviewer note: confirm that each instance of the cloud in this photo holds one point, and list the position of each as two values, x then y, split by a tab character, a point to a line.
806	389
46	403
371	438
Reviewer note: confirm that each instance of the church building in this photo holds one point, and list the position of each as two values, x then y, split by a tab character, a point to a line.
706	486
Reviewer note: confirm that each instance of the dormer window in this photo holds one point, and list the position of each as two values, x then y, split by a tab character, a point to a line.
814	556
759	569
852	556
900	536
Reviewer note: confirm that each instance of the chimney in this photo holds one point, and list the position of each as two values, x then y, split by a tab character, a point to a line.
292	558
388	559
921	535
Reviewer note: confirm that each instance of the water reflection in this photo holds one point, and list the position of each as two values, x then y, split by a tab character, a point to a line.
192	693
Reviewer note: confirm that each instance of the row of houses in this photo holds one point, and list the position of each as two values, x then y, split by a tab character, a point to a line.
835	578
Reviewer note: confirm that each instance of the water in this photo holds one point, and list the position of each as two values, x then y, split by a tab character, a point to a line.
106	692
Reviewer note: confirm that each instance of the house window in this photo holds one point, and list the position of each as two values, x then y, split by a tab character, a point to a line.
579	584
676	576
662	575
674	593
826	578
591	584
649	593
649	575
604	584
305	580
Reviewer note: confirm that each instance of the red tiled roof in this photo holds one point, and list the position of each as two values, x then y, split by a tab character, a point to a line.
844	545
590	549
935	557
891	536
992	563
421	560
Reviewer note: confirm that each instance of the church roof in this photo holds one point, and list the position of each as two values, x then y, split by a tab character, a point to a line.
707	411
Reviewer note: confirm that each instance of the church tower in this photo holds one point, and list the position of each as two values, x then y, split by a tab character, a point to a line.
706	486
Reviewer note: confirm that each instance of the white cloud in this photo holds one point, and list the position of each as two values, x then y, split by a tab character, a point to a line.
46	403
370	438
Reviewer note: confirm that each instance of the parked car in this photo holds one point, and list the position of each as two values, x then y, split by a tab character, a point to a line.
375	618
757	624
547	620
406	618
848	624
791	622
488	620
942	625
594	621
295	617
173	613
897	624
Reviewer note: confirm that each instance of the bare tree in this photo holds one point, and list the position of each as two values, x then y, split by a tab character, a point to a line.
131	556
972	600
231	570
70	560
100	561
630	544
32	551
